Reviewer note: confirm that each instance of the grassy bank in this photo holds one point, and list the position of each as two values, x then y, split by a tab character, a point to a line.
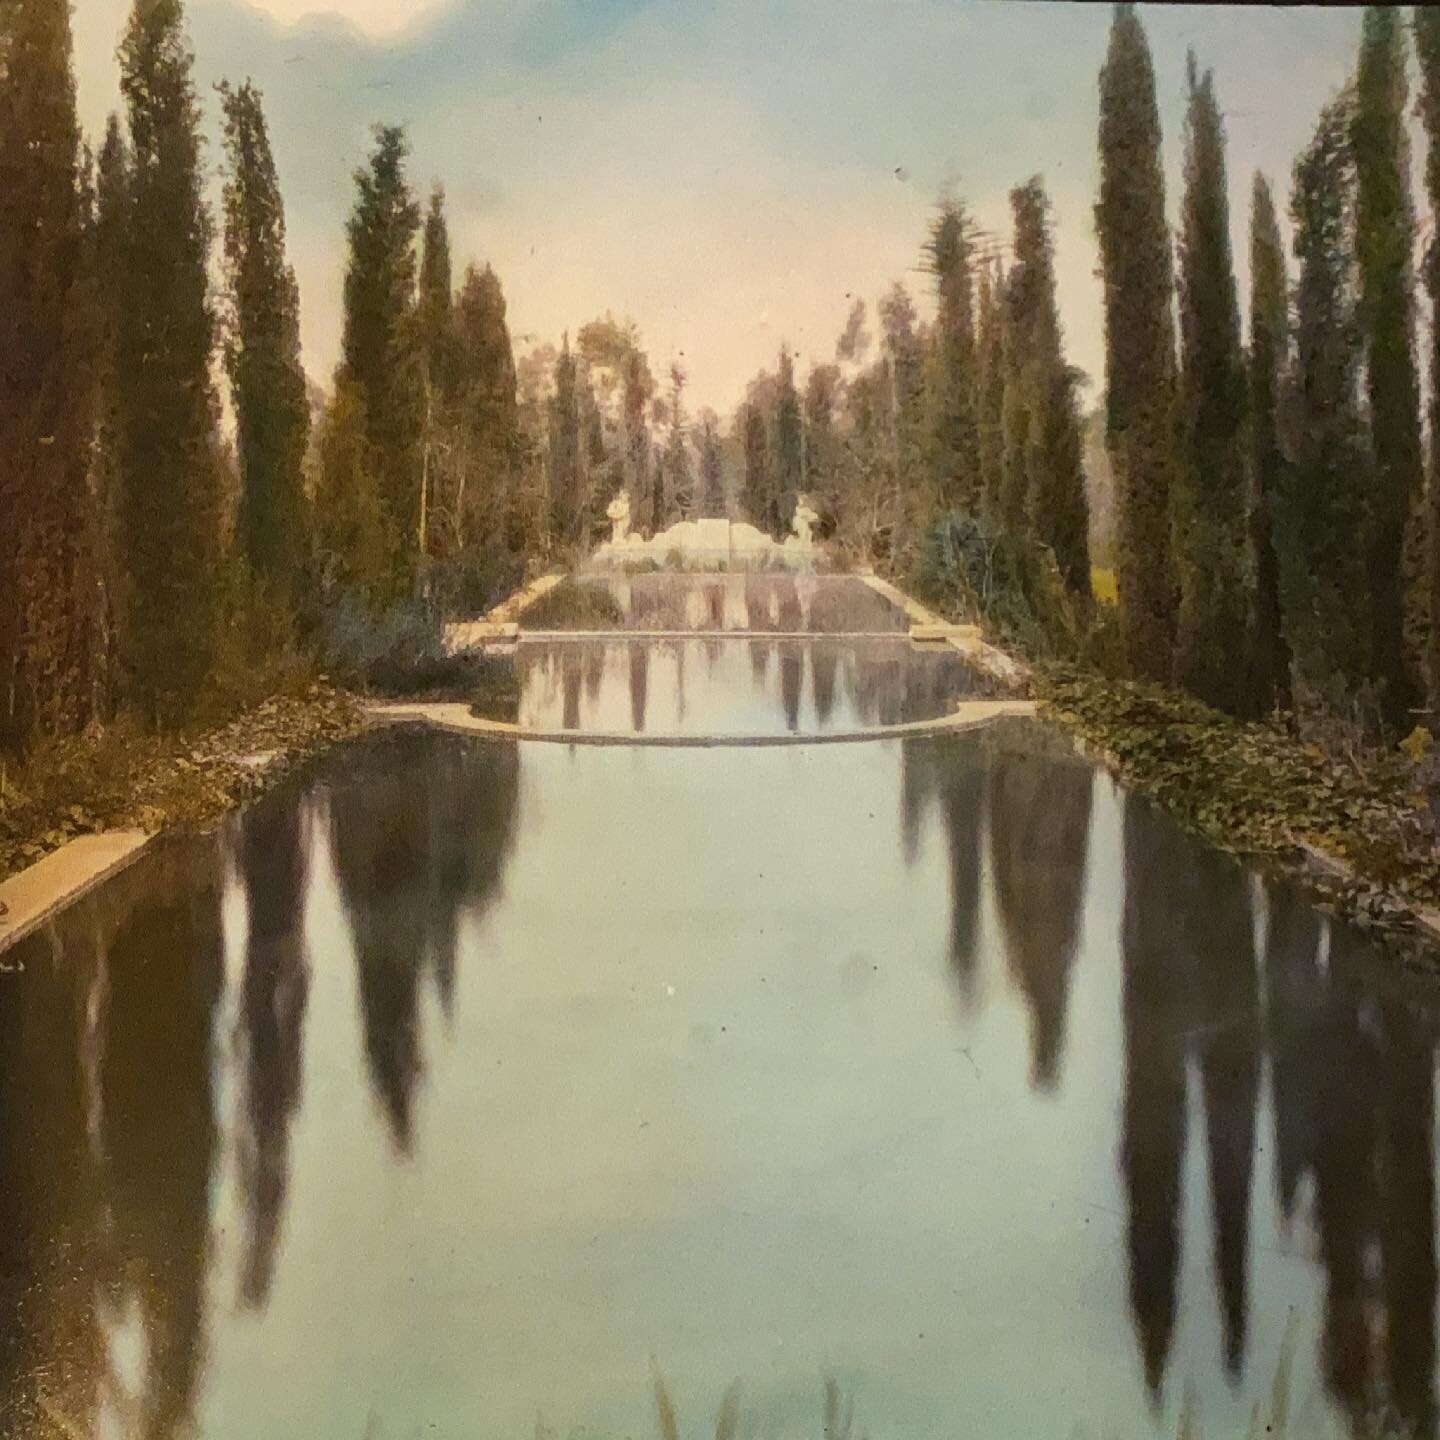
1361	828
126	779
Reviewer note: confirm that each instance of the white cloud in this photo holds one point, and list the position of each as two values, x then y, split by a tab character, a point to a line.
380	19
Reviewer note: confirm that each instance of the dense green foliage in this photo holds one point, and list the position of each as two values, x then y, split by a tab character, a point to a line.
381	352
262	349
955	434
1427	47
969	570
1212	482
1139	342
45	395
1265	373
566	493
1322	503
788	455
170	469
1042	462
1384	241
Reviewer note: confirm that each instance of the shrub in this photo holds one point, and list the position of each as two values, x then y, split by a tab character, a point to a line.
476	580
572	605
973	572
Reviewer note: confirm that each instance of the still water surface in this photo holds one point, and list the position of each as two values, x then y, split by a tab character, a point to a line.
724	687
441	1094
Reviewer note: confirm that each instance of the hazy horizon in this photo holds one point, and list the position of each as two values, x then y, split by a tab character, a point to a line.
728	175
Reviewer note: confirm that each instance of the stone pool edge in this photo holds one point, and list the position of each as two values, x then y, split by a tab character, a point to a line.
456	718
33	895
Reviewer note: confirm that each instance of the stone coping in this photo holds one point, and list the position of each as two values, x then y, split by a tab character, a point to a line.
40	890
457	719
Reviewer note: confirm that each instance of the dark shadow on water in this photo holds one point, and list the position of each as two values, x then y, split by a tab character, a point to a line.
271	860
1039	825
414	846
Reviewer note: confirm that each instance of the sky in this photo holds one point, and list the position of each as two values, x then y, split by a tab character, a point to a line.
729	174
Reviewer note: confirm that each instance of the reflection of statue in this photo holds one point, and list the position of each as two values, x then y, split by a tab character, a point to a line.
804	521
618	514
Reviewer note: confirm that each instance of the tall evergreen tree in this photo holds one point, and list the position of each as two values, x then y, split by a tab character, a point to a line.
789	448
1323	499
637	387
1044	472
262	348
566	457
955	438
351	534
489	415
1139	342
823	447
1269	350
1213	553
434	299
107	262
990	391
442	478
1384	242
677	488
1427	46
756	493
711	505
904	366
170	481
45	376
381	349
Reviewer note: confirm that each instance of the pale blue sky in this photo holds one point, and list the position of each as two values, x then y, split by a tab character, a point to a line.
728	173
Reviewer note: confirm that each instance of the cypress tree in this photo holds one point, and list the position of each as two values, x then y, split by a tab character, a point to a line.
756	496
823	447
170	480
381	349
1323	499
1213	556
712	473
1011	512
1139	342
1384	240
1427	45
789	449
262	349
490	414
955	439
107	271
990	392
435	302
356	550
1045	474
903	365
566	497
44	380
637	386
1269	349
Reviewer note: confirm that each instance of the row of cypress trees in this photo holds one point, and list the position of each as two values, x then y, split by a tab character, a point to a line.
136	542
976	412
1277	536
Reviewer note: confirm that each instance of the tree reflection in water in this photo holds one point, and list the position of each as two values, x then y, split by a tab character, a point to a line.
271	860
1039	834
414	846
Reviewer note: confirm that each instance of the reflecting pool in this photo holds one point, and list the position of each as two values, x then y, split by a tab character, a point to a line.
754	600
438	1095
723	686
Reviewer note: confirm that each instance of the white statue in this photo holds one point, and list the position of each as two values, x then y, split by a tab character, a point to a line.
804	522
618	514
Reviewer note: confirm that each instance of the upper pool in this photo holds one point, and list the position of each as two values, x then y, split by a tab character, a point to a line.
438	1095
771	602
